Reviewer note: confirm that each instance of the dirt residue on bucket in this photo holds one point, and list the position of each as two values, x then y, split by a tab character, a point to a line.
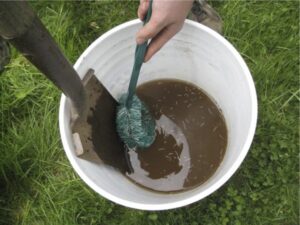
191	136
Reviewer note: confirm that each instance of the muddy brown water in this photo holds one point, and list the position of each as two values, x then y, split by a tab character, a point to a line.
191	139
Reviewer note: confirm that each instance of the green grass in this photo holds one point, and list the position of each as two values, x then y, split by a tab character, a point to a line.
37	183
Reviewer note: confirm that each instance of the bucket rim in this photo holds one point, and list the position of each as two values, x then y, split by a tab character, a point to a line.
197	196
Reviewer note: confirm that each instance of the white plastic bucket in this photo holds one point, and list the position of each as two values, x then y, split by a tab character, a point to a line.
196	54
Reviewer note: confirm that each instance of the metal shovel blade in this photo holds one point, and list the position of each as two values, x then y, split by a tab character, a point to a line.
95	135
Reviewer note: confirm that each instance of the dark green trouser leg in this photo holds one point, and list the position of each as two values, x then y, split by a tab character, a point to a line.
203	13
4	54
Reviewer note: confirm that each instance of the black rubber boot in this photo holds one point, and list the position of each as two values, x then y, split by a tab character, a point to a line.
203	13
4	54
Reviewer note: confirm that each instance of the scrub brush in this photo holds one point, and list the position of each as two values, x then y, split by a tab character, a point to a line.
135	125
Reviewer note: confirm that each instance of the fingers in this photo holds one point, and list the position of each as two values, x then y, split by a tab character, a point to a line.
161	39
150	30
143	8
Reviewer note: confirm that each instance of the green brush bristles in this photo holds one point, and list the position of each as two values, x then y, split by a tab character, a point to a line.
135	125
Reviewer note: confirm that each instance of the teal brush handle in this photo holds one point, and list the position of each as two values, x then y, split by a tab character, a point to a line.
140	51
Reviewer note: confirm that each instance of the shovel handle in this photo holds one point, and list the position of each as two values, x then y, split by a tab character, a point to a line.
24	30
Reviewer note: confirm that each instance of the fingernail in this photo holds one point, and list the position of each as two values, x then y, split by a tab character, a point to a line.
146	59
139	41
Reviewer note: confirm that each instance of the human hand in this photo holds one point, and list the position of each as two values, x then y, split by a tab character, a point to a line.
166	20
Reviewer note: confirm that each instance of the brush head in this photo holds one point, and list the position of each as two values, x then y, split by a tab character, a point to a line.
135	125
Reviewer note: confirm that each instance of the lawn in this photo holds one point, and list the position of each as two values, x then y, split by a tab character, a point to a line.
37	183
